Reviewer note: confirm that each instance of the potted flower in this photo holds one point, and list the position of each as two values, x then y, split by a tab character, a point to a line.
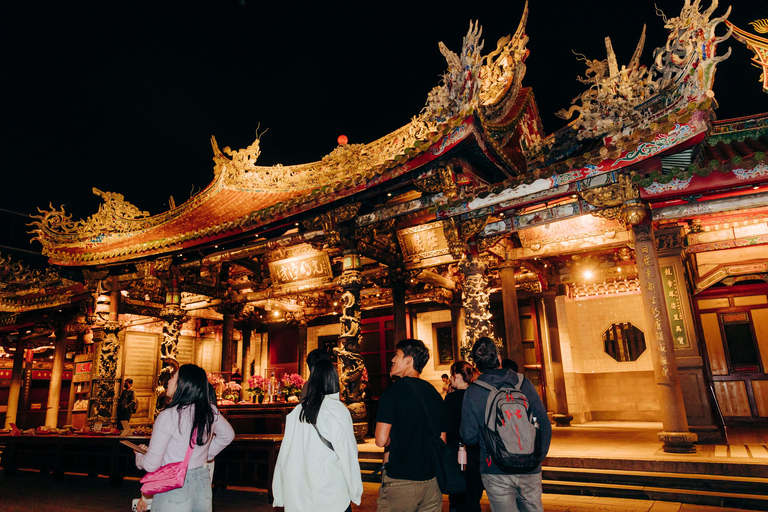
232	391
257	387
292	384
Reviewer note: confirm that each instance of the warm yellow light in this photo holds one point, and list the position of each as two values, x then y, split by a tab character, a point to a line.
277	313
588	274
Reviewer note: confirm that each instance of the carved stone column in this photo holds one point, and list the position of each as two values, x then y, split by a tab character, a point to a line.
104	384
173	317
54	387
17	376
562	417
351	282
676	436
476	302
511	313
458	324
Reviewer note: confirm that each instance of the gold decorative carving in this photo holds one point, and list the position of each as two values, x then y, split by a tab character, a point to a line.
471	227
441	180
612	195
115	215
613	213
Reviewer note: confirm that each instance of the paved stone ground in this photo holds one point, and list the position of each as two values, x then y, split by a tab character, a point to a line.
34	492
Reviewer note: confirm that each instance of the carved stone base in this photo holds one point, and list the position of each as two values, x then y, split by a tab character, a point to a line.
360	430
678	442
563	420
358	411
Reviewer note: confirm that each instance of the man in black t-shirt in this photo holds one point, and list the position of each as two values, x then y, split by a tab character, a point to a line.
408	481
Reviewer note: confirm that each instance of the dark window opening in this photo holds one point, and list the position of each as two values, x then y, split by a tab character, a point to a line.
741	345
624	342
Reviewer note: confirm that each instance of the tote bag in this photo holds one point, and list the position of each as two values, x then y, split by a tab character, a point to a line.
170	476
447	471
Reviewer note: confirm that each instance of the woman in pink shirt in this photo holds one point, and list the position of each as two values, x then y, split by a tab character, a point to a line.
192	407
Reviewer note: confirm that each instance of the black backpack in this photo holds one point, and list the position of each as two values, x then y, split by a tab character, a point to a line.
512	436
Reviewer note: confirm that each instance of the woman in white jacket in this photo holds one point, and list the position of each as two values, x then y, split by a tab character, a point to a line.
317	468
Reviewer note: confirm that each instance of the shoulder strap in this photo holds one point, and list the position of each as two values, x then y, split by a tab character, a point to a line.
423	403
324	440
190	448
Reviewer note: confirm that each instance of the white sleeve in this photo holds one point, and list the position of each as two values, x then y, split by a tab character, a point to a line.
345	445
162	431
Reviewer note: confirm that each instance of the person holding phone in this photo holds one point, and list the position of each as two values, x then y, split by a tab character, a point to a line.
190	418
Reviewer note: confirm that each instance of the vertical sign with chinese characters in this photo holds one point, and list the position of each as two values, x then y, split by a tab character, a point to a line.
652	288
674	307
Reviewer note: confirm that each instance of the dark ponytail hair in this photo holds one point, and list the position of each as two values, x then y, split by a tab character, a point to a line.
322	381
194	389
464	369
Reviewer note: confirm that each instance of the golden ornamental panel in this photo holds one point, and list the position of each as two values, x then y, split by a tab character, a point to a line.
302	272
425	245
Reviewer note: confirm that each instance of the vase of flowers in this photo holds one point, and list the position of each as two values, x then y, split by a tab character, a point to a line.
217	382
257	388
292	384
232	391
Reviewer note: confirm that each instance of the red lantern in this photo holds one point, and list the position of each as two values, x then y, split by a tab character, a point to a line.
342	140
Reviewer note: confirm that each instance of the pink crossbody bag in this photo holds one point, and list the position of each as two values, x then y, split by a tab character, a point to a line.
168	477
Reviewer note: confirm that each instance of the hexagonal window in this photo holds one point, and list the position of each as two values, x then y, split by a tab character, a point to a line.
624	342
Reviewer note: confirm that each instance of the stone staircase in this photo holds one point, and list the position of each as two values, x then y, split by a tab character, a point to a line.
724	484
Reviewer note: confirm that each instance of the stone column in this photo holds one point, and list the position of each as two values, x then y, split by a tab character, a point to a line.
458	324
511	314
104	383
54	388
676	436
245	368
351	282
398	306
228	347
173	317
17	376
476	302
551	331
72	384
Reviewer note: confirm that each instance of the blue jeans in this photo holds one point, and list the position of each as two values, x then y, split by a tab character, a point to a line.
194	496
514	493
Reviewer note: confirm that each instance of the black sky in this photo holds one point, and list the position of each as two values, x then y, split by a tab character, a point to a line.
124	96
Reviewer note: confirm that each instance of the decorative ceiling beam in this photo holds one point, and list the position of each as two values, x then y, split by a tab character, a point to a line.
252	250
695	209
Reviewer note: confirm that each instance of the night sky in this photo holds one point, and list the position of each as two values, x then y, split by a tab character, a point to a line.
124	96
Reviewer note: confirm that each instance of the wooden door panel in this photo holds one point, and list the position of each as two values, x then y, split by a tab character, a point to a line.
710	327
760	390
760	324
732	397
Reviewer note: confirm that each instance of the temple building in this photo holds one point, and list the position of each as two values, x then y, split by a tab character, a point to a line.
620	261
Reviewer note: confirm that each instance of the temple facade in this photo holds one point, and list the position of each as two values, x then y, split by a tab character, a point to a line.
620	261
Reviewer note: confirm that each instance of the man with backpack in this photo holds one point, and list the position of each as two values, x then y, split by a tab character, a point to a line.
503	413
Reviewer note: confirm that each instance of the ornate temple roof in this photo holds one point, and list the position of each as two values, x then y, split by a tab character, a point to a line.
628	119
479	103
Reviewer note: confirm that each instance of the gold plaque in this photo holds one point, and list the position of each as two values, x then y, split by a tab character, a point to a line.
303	272
425	245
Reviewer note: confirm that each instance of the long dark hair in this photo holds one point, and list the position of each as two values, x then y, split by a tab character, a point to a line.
322	381
193	388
